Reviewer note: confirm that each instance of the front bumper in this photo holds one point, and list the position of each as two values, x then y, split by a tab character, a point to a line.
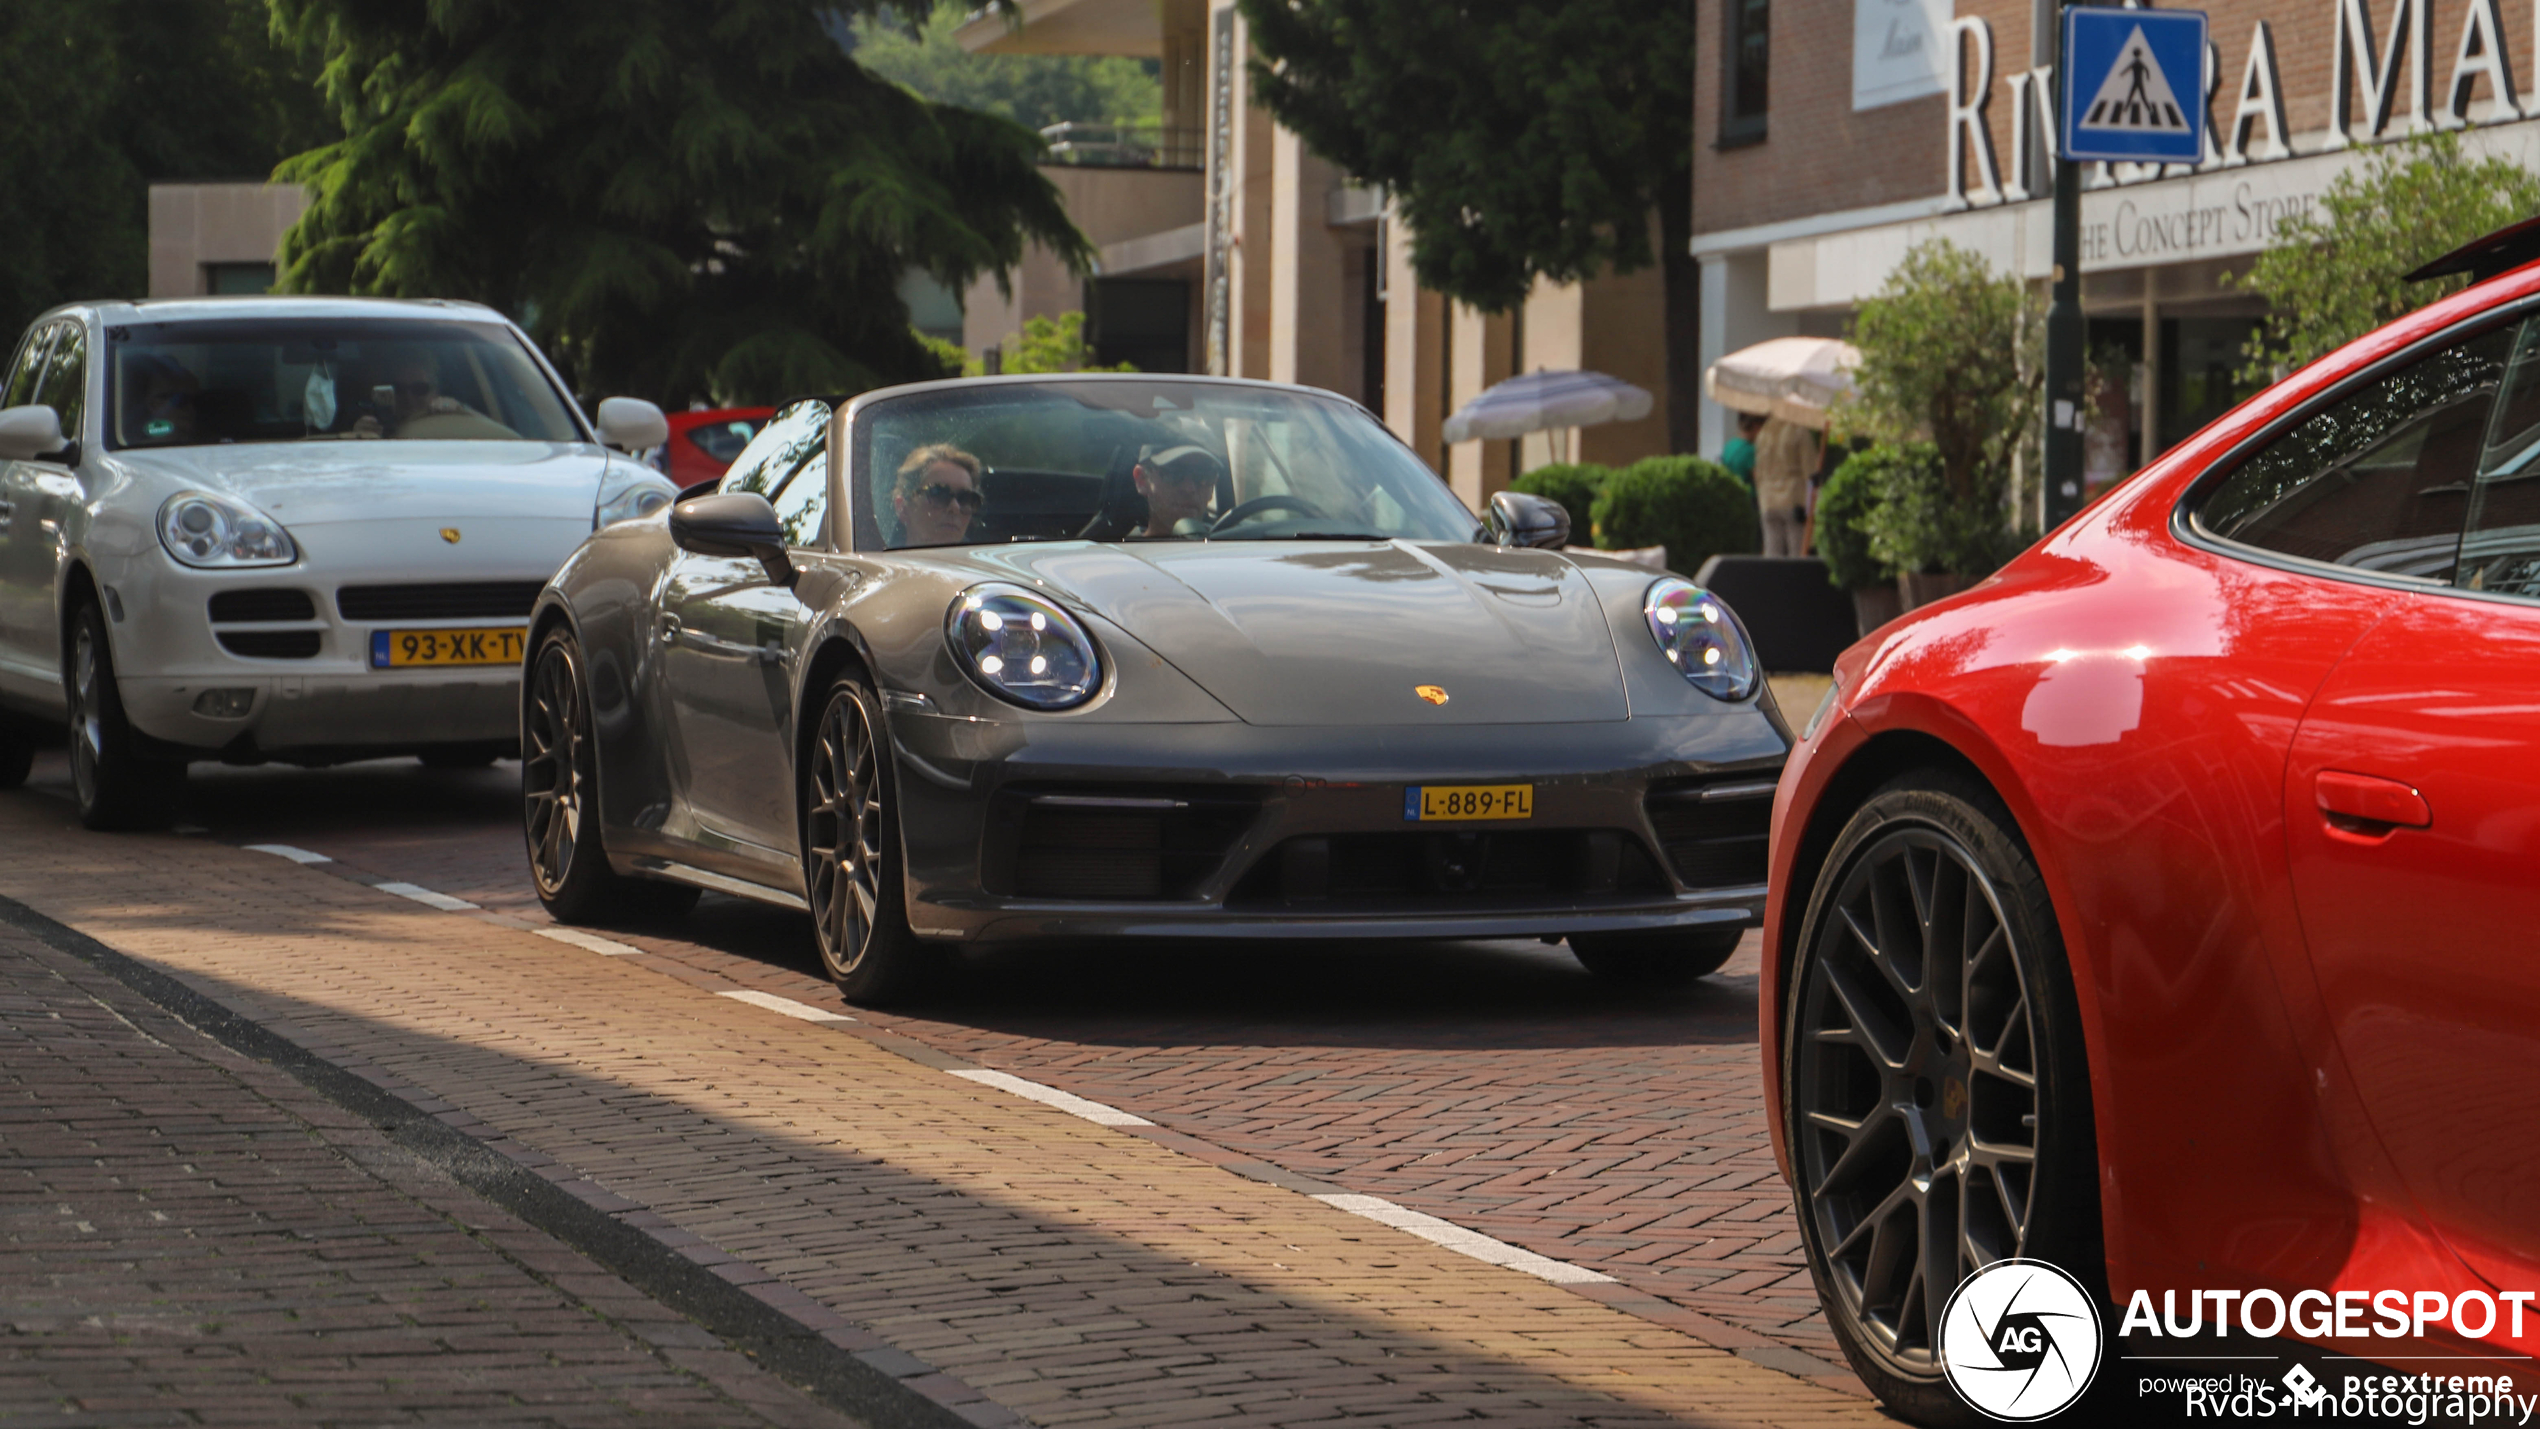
1042	829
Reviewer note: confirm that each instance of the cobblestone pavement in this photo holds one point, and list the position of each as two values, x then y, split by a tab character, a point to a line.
192	1237
1020	1263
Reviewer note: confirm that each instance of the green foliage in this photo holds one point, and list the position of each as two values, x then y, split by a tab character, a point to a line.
1697	509
1032	90
1915	522
1053	345
2333	274
100	97
681	198
1848	501
955	360
1521	138
1573	484
1954	354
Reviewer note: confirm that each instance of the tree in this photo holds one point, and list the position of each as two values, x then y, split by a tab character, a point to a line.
2334	273
1521	139
101	97
684	198
1035	91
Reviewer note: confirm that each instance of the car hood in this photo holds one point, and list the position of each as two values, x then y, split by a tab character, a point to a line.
1346	632
304	484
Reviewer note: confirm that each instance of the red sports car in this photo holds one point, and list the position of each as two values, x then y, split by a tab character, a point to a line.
2167	907
703	444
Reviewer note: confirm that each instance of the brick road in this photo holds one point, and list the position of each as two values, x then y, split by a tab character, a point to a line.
196	1238
1020	1260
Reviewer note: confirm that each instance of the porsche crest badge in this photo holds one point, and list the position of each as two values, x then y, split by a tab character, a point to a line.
1434	694
450	534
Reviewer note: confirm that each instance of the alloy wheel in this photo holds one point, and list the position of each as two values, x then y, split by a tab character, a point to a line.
551	768
88	729
844	837
1915	1089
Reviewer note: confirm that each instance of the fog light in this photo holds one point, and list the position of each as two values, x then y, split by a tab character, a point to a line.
225	704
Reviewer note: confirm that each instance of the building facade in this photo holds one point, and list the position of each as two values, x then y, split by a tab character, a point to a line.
1833	135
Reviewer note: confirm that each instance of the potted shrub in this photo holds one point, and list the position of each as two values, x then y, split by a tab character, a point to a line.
1697	509
1844	507
1573	484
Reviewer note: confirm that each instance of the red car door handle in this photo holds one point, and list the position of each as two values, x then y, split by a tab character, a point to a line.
2378	805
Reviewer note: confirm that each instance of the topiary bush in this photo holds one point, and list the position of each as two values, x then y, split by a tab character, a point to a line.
1846	504
1920	526
1573	484
1697	509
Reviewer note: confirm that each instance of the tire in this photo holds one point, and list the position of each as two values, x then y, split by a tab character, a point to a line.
115	784
559	797
851	854
1930	986
1672	957
457	757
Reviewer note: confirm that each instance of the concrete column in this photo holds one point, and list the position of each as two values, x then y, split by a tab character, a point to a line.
1480	346
1415	351
1255	257
1310	299
2151	406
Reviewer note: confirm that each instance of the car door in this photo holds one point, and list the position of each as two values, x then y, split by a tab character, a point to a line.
2412	803
727	634
49	371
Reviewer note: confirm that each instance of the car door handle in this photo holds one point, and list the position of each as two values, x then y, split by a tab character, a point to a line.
2368	805
669	630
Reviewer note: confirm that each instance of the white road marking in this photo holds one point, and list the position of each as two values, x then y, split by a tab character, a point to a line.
785	1005
1464	1242
296	855
592	942
1068	1102
427	897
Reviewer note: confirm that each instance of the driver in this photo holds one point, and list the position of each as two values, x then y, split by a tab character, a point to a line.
1178	484
417	382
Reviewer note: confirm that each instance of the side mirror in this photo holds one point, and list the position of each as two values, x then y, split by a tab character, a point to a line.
1517	519
632	424
734	523
29	433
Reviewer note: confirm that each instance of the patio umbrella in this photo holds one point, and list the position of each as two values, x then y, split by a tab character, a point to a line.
1543	401
1793	378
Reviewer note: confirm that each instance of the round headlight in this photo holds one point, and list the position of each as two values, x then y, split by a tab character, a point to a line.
1700	638
200	528
1022	647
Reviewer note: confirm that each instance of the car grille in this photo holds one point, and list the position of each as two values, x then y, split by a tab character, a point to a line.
467	600
1440	869
1110	845
270	644
255	605
1715	831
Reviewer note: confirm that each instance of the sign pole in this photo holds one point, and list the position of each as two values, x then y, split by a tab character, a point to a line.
2065	331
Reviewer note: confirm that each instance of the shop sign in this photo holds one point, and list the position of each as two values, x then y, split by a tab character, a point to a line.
1897	50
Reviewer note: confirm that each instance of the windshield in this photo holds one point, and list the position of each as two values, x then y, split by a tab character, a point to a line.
321	379
1137	460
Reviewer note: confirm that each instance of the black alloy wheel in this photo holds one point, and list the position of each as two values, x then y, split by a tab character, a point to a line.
1672	957
115	784
559	803
851	861
1933	1078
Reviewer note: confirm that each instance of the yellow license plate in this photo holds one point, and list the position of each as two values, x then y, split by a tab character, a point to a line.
1427	803
398	649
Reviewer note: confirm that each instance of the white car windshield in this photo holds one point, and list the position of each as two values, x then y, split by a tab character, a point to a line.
181	384
1111	459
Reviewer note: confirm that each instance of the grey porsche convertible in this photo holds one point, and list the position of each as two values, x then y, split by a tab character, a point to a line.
1123	656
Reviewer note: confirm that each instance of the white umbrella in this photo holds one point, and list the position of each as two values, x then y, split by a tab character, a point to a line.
1542	401
1793	378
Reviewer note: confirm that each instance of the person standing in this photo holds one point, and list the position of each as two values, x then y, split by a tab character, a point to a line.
1739	455
1786	455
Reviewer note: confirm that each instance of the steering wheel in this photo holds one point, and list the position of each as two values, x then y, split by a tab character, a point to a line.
1276	501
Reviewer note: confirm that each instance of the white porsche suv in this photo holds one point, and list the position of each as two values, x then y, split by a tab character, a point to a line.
299	529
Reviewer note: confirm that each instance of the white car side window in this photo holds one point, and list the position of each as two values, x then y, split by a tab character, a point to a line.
29	366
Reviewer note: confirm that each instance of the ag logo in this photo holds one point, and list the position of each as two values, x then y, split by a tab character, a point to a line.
2020	1340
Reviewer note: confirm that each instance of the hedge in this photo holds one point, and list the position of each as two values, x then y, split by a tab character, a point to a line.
1697	509
1573	484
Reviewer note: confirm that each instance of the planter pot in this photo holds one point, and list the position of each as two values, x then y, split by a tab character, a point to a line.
1918	589
1874	606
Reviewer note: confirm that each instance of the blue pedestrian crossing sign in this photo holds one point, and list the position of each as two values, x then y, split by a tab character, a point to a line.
2134	86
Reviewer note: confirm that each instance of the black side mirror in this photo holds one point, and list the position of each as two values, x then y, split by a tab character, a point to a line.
1517	519
735	523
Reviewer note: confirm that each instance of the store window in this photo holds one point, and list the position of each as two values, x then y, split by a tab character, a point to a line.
1746	61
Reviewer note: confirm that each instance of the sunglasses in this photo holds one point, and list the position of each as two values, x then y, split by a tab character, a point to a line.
941	495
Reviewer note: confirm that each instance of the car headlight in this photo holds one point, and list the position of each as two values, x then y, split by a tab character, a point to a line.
1023	648
203	529
1700	638
643	495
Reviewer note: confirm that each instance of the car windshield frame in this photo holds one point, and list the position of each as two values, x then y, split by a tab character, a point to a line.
530	382
1132	418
